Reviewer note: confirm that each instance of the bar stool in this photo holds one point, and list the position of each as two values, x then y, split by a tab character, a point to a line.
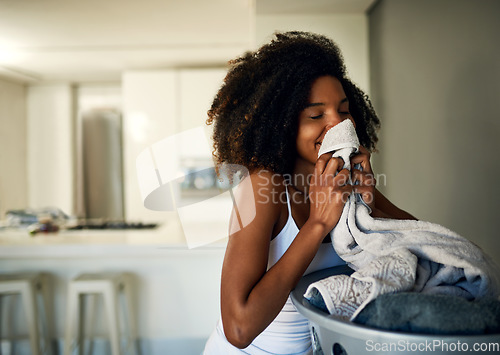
112	286
33	290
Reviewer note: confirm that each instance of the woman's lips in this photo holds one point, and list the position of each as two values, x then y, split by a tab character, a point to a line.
321	138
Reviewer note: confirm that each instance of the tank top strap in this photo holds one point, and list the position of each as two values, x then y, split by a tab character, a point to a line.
288	201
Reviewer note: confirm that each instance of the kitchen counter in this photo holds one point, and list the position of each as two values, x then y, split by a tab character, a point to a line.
17	243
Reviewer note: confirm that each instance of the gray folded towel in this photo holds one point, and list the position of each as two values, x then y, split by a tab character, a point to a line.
432	314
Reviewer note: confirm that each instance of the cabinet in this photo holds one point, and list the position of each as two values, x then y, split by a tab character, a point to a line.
157	105
50	146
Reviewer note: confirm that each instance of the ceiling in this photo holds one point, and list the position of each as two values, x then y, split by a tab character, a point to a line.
96	40
312	6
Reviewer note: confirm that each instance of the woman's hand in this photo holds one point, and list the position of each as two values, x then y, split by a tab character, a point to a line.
328	192
365	178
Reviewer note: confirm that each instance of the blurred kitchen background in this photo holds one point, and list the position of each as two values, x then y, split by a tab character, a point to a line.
86	86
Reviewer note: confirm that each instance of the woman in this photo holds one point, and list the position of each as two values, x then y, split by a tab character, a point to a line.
270	116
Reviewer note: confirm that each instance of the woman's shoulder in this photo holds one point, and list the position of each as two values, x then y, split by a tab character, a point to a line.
261	194
265	188
268	185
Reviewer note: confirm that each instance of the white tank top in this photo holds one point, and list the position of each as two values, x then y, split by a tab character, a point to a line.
289	331
325	257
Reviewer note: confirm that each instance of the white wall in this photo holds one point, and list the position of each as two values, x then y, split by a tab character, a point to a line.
349	31
13	132
197	89
435	85
50	147
150	112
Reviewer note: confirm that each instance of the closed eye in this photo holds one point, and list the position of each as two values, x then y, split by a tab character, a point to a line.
316	117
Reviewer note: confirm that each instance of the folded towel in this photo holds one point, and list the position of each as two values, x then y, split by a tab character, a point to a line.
391	255
432	314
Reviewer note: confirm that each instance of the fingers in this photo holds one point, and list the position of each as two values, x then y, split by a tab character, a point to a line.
334	165
331	189
362	158
342	178
333	175
321	163
365	183
342	185
328	171
364	178
366	193
319	168
326	166
363	189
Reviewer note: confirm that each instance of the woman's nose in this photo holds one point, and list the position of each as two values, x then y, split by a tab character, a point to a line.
333	120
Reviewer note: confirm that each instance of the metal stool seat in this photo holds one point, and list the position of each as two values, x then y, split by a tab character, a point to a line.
112	286
33	291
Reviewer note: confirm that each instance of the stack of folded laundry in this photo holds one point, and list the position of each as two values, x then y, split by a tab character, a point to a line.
389	256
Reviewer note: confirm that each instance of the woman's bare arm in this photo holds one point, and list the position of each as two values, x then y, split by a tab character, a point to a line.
251	297
386	209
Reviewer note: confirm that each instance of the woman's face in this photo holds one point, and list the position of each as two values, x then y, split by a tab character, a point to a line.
327	106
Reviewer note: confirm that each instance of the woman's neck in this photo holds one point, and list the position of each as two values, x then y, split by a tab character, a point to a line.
302	173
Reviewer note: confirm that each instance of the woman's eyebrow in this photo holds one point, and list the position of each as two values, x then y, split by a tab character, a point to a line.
313	104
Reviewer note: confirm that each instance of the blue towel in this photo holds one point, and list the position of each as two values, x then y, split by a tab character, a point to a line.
432	314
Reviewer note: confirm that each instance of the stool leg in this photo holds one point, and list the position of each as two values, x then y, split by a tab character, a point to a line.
4	316
7	303
92	299
12	325
48	314
29	302
71	314
81	324
111	304
131	321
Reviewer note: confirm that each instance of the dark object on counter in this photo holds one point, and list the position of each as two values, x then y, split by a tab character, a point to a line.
113	225
45	226
432	314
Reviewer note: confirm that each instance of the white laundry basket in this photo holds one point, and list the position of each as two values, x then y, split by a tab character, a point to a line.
333	336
